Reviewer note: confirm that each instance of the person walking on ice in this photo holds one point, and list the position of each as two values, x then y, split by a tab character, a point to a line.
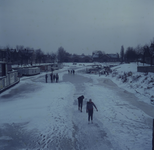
57	77
51	77
80	102
46	78
89	110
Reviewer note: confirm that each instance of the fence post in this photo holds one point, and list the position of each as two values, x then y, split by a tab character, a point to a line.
153	137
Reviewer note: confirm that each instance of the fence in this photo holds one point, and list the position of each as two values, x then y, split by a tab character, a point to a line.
145	68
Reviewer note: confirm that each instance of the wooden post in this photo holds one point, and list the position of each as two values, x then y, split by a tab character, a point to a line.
153	137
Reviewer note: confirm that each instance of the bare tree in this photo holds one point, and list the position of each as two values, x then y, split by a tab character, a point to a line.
39	56
151	49
122	54
130	54
53	57
61	54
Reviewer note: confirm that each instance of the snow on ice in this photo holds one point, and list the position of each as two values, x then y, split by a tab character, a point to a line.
37	115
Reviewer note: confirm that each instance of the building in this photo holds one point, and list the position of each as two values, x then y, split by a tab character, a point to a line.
98	56
8	77
113	57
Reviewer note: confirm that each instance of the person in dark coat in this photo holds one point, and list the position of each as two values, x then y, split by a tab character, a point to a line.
54	77
57	77
80	102
51	77
46	78
89	110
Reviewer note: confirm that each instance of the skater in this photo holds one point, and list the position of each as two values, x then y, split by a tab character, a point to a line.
89	110
57	77
46	78
54	77
73	71
51	77
80	102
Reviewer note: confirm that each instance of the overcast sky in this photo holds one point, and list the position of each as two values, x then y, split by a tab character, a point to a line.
79	26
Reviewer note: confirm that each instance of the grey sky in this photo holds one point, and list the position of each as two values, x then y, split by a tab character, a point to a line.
79	26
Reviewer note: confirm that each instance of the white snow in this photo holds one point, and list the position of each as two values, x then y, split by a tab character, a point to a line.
51	109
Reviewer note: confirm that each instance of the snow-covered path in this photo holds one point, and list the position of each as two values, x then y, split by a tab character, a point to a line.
121	118
88	136
44	116
126	124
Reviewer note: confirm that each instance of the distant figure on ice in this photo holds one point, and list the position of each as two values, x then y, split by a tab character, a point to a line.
80	102
68	71
51	77
54	77
57	77
89	110
73	71
46	78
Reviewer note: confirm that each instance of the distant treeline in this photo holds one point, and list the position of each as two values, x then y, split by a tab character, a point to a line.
140	53
25	56
28	56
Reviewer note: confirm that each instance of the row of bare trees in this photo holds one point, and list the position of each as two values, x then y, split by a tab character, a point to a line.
144	54
28	56
25	56
63	56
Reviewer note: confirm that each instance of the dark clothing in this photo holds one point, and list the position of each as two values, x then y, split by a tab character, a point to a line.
51	77
46	77
90	106
57	77
54	77
80	102
90	110
73	71
90	115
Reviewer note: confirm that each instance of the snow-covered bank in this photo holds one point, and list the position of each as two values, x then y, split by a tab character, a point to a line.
127	77
141	84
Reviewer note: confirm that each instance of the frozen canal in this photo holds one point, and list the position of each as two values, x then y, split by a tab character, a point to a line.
44	116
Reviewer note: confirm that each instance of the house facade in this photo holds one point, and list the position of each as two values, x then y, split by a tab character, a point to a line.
8	77
113	57
98	56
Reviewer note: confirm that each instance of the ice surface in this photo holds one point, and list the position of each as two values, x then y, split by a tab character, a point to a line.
45	116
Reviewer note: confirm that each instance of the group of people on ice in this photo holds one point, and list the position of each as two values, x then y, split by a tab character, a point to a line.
106	71
53	77
89	107
71	71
